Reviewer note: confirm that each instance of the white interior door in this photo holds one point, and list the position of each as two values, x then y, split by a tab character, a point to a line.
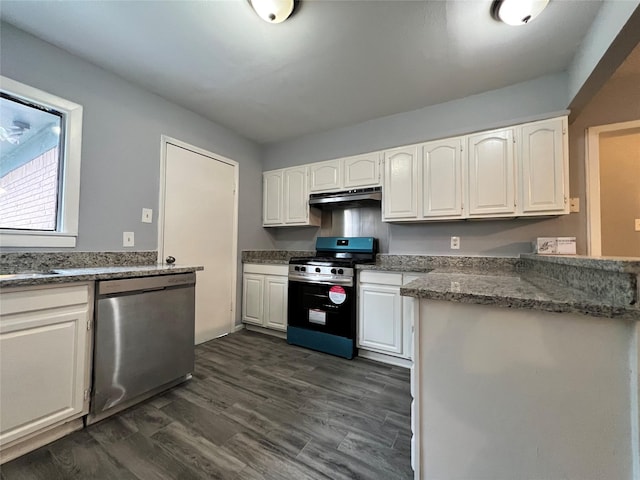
199	228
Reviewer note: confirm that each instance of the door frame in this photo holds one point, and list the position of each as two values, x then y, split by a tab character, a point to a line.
592	171
166	140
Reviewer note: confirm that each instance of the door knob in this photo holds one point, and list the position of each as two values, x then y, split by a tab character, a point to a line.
170	259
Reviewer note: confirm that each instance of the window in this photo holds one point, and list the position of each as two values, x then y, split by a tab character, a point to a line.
40	143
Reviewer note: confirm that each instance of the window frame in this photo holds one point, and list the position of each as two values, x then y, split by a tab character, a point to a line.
69	183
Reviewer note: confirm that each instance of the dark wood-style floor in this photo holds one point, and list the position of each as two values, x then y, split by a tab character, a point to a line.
256	408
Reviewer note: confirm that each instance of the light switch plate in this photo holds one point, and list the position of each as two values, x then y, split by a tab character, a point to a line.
128	239
455	243
637	225
574	205
147	215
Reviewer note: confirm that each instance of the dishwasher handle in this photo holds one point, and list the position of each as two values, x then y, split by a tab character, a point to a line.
144	284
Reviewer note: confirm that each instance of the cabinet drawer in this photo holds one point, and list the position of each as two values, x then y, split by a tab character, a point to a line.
382	278
33	299
266	269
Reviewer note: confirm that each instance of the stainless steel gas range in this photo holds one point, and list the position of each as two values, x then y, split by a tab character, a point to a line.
322	295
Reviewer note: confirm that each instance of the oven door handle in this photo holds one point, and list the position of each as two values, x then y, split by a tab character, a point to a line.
347	282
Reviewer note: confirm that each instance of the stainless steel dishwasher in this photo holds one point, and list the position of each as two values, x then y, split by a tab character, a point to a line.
143	341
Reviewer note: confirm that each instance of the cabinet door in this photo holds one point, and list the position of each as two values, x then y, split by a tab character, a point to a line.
409	316
325	176
400	192
441	178
275	302
380	319
272	198
362	171
252	298
543	162
296	201
491	174
43	365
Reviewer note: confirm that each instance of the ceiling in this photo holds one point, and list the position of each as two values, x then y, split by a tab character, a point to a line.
332	64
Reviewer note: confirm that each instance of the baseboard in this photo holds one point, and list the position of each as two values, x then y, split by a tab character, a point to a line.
266	331
382	358
237	328
37	440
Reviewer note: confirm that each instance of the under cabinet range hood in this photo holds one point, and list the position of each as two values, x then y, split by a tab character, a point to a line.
359	197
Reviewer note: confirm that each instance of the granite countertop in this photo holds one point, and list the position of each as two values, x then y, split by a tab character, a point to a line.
612	264
68	275
271	257
514	290
601	287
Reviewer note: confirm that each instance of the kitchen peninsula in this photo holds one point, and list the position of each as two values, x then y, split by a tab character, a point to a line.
527	374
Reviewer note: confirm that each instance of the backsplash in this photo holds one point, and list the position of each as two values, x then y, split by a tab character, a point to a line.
490	238
273	256
419	263
39	261
615	281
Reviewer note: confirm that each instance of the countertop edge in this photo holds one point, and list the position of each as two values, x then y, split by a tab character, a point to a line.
602	310
63	276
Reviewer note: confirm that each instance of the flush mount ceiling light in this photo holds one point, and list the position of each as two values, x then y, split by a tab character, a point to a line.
273	11
517	12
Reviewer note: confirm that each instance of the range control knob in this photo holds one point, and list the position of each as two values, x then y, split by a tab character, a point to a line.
333	270
303	269
340	271
317	269
297	269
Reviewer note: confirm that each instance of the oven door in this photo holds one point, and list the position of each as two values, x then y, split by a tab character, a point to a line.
327	308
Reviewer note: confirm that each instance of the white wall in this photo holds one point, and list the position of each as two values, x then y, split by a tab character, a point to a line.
521	394
610	20
496	108
121	144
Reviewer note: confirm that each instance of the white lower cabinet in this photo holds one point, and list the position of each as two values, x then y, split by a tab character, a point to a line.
264	295
275	302
45	358
385	319
381	318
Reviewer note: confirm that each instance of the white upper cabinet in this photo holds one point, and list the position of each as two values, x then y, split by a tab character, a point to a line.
440	173
286	198
325	176
491	174
544	175
272	198
359	171
296	199
521	170
362	171
400	189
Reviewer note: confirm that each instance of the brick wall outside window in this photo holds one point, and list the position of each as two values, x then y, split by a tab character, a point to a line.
31	191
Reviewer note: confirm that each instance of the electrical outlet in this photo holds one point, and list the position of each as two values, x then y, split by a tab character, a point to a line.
455	243
637	227
574	204
128	239
147	215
